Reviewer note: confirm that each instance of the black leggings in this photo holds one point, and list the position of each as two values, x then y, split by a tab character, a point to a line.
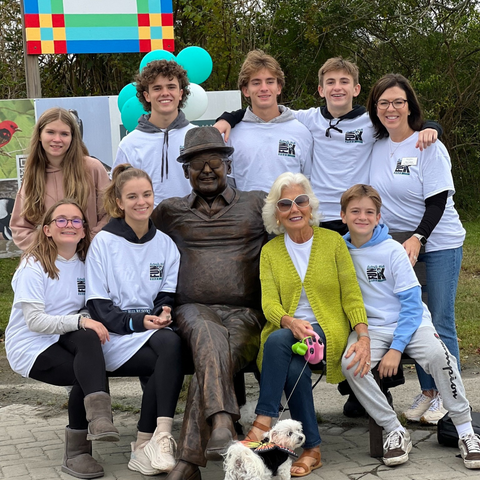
161	359
77	360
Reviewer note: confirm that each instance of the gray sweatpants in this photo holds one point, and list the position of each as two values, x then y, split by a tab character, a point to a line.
427	350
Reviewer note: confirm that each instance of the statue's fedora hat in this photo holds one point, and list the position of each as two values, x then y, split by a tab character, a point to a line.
203	139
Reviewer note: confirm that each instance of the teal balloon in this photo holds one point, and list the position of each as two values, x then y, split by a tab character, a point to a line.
197	62
131	112
126	93
156	55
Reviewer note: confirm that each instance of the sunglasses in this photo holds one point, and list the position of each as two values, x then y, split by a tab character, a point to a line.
285	204
62	222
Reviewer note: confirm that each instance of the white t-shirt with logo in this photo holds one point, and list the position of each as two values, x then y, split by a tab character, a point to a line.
340	160
131	275
31	284
405	177
383	270
263	151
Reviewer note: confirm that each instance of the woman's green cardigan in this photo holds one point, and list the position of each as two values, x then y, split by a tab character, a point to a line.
331	287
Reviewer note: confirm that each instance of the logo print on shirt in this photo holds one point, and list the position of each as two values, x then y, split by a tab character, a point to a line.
80	286
401	169
355	136
156	271
376	273
286	148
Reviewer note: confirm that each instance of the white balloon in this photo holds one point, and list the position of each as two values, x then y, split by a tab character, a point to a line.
197	102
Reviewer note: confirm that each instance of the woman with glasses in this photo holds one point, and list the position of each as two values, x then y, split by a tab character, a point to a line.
308	284
50	336
417	193
57	167
132	271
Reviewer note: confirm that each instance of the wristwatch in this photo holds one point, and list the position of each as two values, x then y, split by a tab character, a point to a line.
421	239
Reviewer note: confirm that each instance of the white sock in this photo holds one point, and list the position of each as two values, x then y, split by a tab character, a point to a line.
464	429
142	437
164	424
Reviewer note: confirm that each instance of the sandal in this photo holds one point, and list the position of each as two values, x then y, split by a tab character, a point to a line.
252	437
307	469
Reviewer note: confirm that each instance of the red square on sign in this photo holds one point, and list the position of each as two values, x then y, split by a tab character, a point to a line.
60	46
145	45
143	20
58	20
32	20
167	19
169	45
34	47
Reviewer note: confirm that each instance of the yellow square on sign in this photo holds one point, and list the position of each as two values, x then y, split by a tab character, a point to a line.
59	34
48	46
144	33
155	20
167	32
157	44
33	34
45	20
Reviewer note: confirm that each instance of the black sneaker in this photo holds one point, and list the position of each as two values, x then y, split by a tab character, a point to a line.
353	408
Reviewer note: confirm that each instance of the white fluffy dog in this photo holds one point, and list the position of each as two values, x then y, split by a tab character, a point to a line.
271	458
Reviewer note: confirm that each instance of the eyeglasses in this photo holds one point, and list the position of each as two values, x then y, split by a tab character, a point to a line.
285	204
199	165
62	222
397	104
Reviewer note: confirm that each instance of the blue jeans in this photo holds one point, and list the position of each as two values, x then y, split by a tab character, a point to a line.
281	368
443	270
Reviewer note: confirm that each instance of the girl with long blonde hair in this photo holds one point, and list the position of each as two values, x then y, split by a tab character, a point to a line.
57	167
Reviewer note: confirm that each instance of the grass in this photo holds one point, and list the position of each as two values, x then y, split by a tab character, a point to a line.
467	305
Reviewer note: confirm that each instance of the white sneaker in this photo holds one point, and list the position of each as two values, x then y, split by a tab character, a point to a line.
161	451
139	462
396	448
419	406
435	411
469	446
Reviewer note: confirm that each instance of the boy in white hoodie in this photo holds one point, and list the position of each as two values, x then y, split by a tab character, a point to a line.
398	322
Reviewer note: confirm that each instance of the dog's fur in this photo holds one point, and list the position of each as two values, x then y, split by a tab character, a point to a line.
241	463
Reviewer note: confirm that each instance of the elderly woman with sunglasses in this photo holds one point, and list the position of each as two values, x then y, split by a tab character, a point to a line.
308	283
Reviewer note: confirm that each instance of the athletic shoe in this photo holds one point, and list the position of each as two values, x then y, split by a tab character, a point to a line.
396	448
435	411
139	462
419	406
469	446
161	451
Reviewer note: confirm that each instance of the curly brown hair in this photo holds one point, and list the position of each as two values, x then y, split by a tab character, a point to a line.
166	68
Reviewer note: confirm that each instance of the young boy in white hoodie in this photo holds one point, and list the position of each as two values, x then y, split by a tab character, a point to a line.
398	322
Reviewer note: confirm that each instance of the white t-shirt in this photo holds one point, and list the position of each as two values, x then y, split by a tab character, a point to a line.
131	275
263	151
60	297
300	255
405	177
144	150
383	270
340	160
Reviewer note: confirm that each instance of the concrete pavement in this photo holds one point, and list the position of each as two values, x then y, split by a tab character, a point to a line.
31	438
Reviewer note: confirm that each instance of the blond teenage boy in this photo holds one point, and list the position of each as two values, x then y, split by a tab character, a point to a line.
269	140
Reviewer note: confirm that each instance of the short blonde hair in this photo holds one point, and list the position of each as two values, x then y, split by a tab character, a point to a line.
359	191
335	64
285	180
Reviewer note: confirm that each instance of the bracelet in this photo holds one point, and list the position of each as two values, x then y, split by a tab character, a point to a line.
362	334
291	323
81	324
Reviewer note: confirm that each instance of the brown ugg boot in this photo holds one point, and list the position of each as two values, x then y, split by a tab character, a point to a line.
98	406
78	460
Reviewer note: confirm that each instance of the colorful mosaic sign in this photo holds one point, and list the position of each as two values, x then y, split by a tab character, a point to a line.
98	26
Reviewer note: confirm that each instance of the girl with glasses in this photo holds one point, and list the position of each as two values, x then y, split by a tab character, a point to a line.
50	336
58	166
417	192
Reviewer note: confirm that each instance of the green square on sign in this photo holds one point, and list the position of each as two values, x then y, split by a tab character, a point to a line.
57	6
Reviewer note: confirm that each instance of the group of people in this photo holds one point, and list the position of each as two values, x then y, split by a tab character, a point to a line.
166	268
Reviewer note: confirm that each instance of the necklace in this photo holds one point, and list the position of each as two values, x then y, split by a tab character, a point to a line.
390	145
